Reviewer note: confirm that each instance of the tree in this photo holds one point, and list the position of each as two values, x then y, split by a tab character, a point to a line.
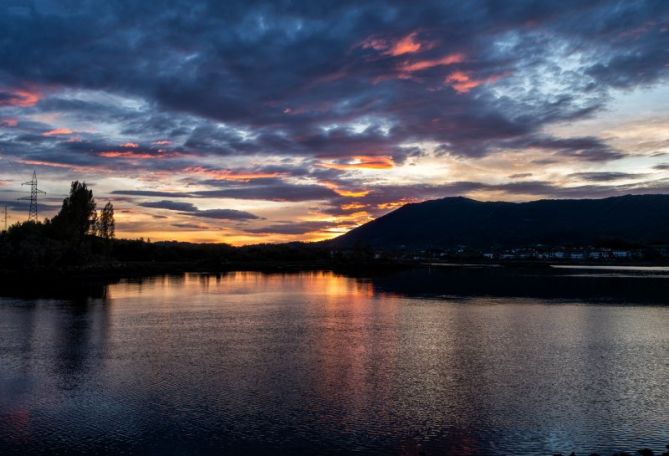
77	216
106	224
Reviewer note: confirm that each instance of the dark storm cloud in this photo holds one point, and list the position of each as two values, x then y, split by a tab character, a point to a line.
277	73
157	194
586	148
210	89
376	202
605	176
23	206
272	192
191	209
170	205
226	214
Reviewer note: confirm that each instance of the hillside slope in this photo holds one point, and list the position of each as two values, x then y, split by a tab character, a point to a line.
461	221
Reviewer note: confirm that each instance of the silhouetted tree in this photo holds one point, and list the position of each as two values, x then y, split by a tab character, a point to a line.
77	215
106	224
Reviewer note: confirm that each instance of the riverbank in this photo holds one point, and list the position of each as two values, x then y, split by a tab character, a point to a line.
119	270
127	269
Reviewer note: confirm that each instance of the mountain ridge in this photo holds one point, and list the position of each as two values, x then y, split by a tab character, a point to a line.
453	221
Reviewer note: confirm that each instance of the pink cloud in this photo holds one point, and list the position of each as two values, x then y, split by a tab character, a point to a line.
377	44
362	162
57	132
406	45
75	168
9	122
420	65
461	82
22	98
137	155
229	174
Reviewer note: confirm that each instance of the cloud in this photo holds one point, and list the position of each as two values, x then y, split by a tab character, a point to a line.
191	209
362	162
605	176
18	97
585	148
226	214
57	132
297	100
420	65
153	193
170	205
229	174
408	44
135	155
292	227
277	191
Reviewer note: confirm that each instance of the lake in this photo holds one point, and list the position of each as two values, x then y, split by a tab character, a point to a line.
444	360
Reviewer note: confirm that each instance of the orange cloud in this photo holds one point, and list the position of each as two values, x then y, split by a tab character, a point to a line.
230	175
75	168
363	162
421	65
130	145
352	220
395	204
162	142
58	132
352	206
463	83
343	192
406	45
351	193
129	154
22	98
9	122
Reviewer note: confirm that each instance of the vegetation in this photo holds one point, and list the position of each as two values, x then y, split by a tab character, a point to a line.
82	239
77	235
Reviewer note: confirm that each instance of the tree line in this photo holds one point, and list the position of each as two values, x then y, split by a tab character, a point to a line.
78	234
80	237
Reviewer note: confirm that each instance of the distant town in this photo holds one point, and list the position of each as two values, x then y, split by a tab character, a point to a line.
537	253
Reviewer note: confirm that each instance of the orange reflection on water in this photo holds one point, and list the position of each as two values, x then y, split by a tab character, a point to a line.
326	283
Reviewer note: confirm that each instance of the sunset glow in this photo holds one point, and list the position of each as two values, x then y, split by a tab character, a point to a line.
291	123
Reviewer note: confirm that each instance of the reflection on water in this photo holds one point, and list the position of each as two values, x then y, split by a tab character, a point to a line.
321	363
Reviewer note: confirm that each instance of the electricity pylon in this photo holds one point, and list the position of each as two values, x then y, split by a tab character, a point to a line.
34	191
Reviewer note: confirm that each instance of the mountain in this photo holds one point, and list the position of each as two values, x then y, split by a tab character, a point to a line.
450	222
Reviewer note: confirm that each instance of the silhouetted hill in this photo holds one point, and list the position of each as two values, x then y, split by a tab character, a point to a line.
461	221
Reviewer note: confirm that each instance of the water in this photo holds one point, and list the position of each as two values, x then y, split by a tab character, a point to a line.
319	363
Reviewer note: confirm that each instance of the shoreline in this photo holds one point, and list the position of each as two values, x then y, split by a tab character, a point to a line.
150	268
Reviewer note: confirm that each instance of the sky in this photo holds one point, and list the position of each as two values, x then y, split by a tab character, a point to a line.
248	122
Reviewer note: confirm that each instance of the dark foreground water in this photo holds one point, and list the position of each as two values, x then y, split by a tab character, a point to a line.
442	362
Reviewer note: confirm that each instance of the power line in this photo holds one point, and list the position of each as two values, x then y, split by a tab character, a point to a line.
34	191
